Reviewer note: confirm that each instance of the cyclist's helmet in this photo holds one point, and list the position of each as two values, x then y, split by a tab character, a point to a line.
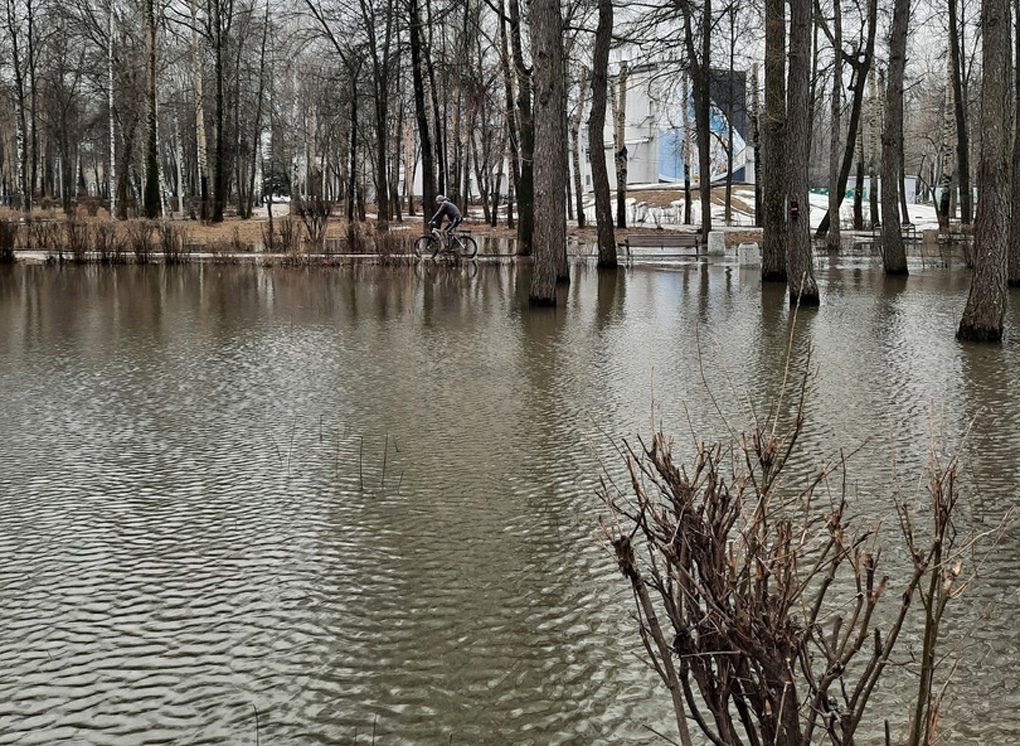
440	198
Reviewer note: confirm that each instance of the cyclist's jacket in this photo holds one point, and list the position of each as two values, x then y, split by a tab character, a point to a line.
449	210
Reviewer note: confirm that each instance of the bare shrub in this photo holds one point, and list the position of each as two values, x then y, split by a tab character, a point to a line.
8	237
314	213
77	238
391	246
173	241
237	244
290	235
268	238
359	237
44	234
107	241
141	238
90	205
761	605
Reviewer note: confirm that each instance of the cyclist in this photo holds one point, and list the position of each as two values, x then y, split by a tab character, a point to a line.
449	211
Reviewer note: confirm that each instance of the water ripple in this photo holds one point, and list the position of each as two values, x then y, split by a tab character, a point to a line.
366	504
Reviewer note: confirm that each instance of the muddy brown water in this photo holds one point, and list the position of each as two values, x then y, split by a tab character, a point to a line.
363	500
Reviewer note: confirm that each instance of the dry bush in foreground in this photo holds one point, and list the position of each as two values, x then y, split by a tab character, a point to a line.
762	607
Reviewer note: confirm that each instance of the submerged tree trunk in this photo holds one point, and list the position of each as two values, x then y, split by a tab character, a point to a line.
985	312
774	144
894	256
596	146
550	239
799	267
525	188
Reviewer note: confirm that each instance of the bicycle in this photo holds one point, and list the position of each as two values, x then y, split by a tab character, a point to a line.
453	245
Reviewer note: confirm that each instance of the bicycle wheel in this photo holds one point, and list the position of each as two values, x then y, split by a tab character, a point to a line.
426	246
468	247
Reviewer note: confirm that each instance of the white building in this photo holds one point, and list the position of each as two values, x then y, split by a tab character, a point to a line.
659	130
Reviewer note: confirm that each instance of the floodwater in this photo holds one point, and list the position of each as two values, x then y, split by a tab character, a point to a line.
319	506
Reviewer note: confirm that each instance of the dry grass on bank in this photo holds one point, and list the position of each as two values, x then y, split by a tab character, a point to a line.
47	228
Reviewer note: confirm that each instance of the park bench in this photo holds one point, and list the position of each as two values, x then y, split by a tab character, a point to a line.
661	244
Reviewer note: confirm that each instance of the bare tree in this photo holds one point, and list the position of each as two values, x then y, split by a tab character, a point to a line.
799	265
619	108
697	38
550	152
19	32
894	256
948	154
152	203
984	314
575	146
774	143
596	147
525	121
956	57
832	238
860	58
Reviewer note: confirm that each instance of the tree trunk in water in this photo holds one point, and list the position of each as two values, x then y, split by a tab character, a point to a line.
550	239
774	143
799	266
620	145
894	256
525	191
985	312
596	146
